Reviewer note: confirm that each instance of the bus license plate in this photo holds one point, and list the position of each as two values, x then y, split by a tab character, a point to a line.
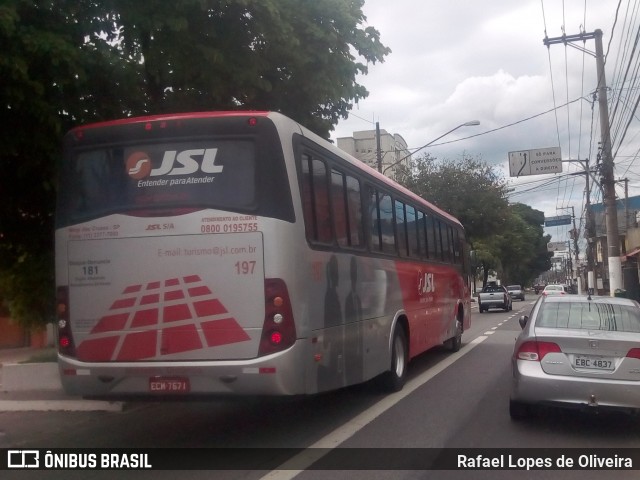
596	363
169	385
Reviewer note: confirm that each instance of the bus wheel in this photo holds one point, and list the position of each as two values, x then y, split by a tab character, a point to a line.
393	380
455	343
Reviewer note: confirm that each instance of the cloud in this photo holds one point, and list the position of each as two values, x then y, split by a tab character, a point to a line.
457	61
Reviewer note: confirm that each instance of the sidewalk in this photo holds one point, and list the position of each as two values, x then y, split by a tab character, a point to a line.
17	355
33	398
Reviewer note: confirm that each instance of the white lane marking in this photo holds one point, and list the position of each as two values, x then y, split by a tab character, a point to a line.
332	440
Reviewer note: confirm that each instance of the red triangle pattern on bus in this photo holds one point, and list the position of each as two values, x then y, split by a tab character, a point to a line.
159	319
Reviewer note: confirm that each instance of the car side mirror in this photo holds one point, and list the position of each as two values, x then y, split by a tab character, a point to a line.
523	321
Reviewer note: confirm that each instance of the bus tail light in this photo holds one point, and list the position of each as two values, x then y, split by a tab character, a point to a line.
65	338
536	351
278	330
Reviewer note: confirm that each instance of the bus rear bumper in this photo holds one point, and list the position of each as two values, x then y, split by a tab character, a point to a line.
276	374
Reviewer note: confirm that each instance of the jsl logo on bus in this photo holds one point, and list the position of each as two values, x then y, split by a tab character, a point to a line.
185	162
426	283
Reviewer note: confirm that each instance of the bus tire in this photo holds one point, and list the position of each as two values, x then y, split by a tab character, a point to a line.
455	342
393	380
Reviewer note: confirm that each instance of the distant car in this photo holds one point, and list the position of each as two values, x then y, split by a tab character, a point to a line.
494	296
516	291
554	290
577	352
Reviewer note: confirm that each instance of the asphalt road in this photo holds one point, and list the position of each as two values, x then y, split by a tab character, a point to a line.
452	401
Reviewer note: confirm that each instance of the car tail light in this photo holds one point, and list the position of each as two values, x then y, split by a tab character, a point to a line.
65	338
535	351
634	353
278	330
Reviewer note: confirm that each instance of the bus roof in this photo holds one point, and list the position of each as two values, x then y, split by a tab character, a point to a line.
305	131
171	116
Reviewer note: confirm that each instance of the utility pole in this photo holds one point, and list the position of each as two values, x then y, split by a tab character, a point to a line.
608	182
590	233
626	207
378	149
576	251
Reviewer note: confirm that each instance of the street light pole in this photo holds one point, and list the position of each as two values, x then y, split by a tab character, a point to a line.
466	124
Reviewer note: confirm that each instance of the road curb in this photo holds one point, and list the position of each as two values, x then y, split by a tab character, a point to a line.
60	406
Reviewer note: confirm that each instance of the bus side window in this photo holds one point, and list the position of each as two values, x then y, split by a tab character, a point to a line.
315	198
432	239
422	234
375	240
385	206
412	232
401	228
457	257
339	201
448	245
347	209
354	211
441	234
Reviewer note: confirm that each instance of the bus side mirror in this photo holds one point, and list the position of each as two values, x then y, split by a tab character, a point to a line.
523	321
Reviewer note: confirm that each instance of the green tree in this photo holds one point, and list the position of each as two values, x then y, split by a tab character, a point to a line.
530	257
48	74
68	62
524	252
294	56
468	188
507	239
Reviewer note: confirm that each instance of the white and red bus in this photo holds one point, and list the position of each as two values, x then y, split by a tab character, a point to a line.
239	253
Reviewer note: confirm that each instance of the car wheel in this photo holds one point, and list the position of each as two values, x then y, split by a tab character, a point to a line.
393	380
518	410
455	343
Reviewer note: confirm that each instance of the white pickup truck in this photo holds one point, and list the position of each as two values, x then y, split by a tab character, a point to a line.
494	296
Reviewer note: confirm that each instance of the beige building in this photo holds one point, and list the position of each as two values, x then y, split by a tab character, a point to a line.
363	146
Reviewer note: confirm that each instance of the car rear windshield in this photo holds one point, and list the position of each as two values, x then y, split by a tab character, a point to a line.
514	287
589	316
492	289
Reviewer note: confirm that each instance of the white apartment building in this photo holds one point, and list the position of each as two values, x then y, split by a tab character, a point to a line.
363	146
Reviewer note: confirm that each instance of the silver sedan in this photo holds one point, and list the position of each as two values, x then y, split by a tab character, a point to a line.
577	351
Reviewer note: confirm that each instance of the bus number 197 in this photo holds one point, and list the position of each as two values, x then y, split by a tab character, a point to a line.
245	268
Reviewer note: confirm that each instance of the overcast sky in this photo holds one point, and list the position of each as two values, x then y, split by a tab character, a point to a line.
460	60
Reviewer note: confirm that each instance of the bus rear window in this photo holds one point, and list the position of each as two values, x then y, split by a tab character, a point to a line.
203	173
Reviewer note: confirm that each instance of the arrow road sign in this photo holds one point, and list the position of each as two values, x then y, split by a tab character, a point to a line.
535	162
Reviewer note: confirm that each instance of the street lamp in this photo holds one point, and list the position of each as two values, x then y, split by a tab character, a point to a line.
466	124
